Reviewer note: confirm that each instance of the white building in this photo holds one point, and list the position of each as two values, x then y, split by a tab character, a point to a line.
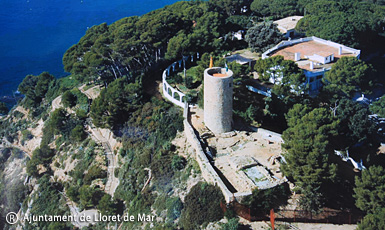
315	56
287	26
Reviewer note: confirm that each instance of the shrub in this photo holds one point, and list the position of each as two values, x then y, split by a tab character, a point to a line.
26	134
93	173
178	163
78	133
106	205
73	193
68	99
373	221
174	208
89	196
263	200
202	205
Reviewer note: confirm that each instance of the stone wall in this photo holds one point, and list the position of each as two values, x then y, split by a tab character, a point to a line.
208	172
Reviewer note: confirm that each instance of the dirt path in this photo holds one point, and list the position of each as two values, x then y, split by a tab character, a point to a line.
56	103
91	93
9	144
112	181
149	178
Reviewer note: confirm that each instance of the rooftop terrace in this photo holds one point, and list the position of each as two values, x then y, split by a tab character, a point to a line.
308	48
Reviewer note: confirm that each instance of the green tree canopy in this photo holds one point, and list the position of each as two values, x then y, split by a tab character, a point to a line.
107	206
275	8
287	76
68	99
115	103
346	77
130	46
378	107
352	23
370	189
35	87
307	151
373	220
262	201
262	36
231	7
205	198
354	125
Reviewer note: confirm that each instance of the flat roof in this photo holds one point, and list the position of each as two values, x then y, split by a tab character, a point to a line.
324	53
310	48
288	23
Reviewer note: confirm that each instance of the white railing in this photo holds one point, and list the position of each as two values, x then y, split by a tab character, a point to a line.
175	96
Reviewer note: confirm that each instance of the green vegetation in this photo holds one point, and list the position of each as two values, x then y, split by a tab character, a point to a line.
130	46
116	104
68	99
48	201
232	224
274	8
308	149
90	196
288	77
352	23
3	108
263	36
107	206
35	87
347	76
262	201
354	124
369	189
40	156
202	205
174	208
373	221
378	107
128	54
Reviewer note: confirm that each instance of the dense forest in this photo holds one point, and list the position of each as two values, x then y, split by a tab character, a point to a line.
126	57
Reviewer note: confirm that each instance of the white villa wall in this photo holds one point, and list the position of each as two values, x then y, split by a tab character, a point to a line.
320	40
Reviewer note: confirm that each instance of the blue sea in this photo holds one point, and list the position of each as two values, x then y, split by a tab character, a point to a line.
34	34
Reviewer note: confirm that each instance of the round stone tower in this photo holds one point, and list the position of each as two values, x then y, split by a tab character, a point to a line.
218	99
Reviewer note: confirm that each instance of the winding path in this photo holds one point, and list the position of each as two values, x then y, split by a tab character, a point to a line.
148	180
112	181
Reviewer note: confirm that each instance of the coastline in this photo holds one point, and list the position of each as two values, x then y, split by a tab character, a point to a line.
36	35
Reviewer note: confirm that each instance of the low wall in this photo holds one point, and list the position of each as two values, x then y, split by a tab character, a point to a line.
320	40
208	172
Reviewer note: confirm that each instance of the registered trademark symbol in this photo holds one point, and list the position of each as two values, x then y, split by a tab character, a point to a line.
11	218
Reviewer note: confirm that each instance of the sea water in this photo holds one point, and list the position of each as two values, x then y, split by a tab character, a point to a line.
34	34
